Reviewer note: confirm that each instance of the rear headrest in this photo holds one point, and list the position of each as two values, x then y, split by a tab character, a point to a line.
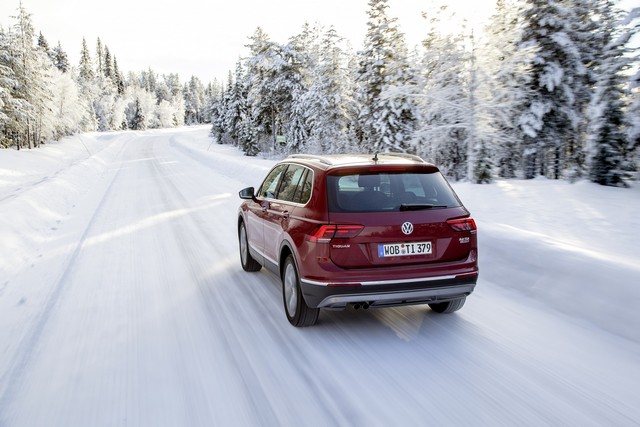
369	181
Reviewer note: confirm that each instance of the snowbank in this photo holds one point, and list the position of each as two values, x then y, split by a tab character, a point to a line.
571	246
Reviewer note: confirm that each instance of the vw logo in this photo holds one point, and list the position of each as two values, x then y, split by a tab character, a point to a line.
407	228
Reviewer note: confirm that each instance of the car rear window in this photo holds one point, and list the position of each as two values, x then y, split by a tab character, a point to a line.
393	191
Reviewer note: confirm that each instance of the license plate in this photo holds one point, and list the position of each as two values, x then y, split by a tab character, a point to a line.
404	249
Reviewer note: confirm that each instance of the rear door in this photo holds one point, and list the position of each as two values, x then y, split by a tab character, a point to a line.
258	212
286	198
404	214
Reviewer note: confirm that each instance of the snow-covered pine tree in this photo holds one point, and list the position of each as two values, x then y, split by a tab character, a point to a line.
632	116
194	101
385	88
99	58
38	102
238	115
398	110
68	111
235	104
442	136
218	110
43	44
261	102
607	140
9	106
274	75
587	38
106	102
212	93
87	88
552	117
139	120
301	56
85	67
328	98
108	65
479	163
117	77
32	71
60	59
503	87
176	98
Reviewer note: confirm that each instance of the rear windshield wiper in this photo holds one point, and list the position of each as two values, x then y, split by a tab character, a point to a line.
419	207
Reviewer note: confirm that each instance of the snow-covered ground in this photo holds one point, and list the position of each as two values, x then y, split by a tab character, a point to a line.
122	302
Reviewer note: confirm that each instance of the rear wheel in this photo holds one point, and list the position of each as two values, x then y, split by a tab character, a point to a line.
449	306
247	261
297	311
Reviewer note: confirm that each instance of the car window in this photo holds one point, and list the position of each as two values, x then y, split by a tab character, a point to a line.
270	183
376	192
303	193
290	181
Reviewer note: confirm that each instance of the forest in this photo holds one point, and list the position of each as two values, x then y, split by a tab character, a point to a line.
547	89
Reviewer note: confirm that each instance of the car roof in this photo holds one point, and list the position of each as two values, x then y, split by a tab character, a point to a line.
330	161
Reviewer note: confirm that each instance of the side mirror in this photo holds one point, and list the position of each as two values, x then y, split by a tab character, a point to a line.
248	193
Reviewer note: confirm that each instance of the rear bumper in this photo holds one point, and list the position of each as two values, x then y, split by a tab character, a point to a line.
384	293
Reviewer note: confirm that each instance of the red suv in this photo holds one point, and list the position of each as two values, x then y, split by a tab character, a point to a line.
360	230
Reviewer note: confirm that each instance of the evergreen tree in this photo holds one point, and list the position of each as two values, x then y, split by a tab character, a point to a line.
139	119
68	111
632	116
218	110
385	92
88	88
10	107
503	88
552	116
99	58
479	164
267	74
443	134
298	58
31	68
86	64
44	46
328	99
108	65
194	100
589	42
60	59
234	105
117	77
607	140
398	115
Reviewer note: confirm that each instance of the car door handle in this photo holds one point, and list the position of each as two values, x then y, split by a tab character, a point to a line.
285	214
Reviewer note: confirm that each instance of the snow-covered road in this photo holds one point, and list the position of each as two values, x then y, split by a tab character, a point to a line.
123	303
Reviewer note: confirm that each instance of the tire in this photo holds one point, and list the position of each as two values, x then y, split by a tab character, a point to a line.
449	306
298	312
247	261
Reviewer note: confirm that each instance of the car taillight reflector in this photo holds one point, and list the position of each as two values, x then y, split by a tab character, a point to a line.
462	276
325	233
462	224
347	231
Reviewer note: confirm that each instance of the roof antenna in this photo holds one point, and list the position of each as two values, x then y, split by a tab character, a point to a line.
375	157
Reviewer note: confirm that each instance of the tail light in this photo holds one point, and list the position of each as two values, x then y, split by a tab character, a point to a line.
462	224
325	233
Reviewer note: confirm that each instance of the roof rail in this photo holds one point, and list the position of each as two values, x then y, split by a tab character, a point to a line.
406	156
321	159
